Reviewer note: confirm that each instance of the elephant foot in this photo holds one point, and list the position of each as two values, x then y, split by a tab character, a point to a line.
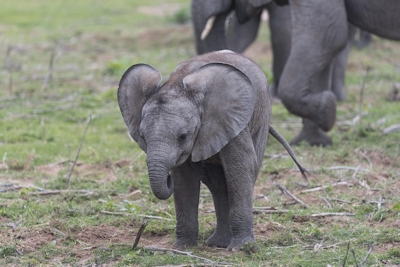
312	134
238	243
185	243
325	113
217	239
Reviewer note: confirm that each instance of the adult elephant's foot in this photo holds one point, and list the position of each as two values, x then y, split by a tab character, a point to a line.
319	107
238	243
183	243
312	134
324	114
219	239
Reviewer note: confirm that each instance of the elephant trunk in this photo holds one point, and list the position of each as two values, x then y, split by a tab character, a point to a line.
161	181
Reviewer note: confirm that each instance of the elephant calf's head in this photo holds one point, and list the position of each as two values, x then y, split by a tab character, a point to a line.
192	116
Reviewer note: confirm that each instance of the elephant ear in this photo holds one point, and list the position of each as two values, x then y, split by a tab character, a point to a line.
226	96
136	85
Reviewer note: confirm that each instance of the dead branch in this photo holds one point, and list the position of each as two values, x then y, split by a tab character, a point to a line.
267	211
361	101
339	200
77	154
319	188
285	191
327	202
55	53
139	234
56	231
189	254
365	157
324	214
57	192
154	217
392	128
341	168
354	255
114	213
366	257
347	253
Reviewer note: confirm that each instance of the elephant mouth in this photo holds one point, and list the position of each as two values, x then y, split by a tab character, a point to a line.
169	181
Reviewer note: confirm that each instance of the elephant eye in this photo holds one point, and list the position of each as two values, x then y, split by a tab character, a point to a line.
182	137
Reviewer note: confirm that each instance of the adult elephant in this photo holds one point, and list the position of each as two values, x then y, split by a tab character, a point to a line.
233	24
320	34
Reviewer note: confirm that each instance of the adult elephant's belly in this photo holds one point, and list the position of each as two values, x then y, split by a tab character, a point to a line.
376	16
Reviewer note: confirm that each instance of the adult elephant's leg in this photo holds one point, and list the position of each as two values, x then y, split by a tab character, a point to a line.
216	183
280	25
339	66
186	197
239	161
311	132
320	32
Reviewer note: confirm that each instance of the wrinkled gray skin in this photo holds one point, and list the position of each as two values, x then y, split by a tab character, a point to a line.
243	19
209	122
320	34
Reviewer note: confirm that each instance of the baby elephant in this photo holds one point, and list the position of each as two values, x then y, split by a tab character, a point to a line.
209	122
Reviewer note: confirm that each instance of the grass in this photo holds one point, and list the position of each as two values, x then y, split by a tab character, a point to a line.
41	131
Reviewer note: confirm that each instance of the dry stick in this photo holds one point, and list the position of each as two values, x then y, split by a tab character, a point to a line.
327	202
323	187
354	255
347	253
140	232
77	154
8	67
190	254
366	257
362	96
57	192
49	76
332	214
284	190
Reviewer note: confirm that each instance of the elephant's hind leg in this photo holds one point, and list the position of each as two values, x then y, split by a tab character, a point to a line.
215	181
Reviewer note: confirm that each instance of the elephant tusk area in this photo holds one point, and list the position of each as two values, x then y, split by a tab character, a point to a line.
207	28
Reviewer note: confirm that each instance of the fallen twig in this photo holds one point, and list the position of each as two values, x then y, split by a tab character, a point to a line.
347	253
332	214
57	192
77	154
327	202
366	257
139	234
268	211
361	101
339	200
284	190
365	157
392	128
189	254
354	255
341	168
53	56
154	217
319	188
56	231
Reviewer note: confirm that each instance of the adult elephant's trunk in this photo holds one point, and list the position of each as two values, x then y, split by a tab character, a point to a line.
202	11
159	167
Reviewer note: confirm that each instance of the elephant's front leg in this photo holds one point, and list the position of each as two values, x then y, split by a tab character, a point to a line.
215	180
186	197
239	160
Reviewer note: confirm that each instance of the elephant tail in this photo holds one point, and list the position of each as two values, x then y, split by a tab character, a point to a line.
286	145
